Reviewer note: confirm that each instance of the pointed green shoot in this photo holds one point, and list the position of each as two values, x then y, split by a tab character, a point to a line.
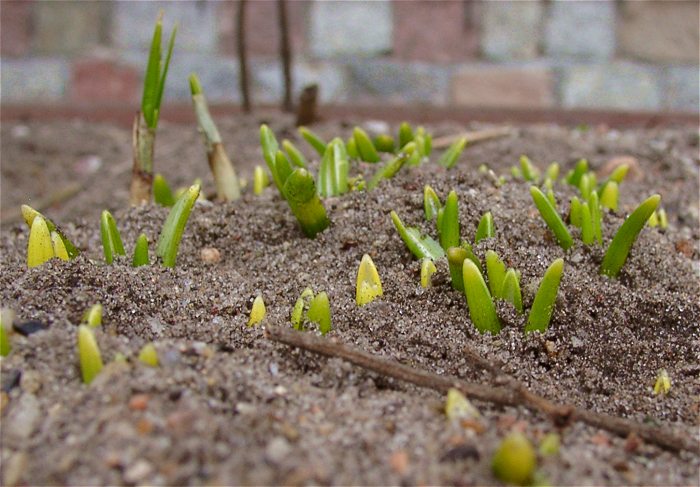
543	305
384	143
587	234
368	286
405	134
29	213
320	312
111	240
622	242
596	216
365	147
269	145
455	259
449	224
93	316
431	203
421	246
663	218
351	147
5	345
59	250
162	193
574	176
575	217
149	355
609	196
618	175
585	185
653	220
283	169
174	226
300	190
482	311
511	290
496	272
451	155
528	170
427	269
257	311
294	154
260	180
552	172
40	247
333	172
392	167
156	73
302	303
313	140
486	228
551	218
140	252
88	354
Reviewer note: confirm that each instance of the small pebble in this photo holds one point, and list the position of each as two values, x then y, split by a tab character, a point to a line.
277	449
30	381
210	255
29	327
399	462
137	472
138	402
23	418
461	452
14	469
10	379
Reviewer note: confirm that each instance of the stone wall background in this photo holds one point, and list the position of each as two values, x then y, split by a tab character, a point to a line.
607	54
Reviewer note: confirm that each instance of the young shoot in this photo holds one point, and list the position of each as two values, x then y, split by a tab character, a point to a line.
458	407
662	385
174	226
622	242
260	180
427	269
431	203
543	305
40	246
511	290
482	310
320	312
295	156
93	316
368	286
148	355
313	140
451	155
384	143
486	228
515	460
496	272
405	134
227	186
300	190
528	170
162	193
421	246
333	172
88	354
111	240
5	345
29	214
552	218
392	167
300	309
257	312
365	147
449	231
140	252
573	177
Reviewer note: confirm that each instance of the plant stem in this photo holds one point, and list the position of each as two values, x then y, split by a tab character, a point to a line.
143	139
242	57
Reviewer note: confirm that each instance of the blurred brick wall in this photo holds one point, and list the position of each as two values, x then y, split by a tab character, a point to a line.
625	54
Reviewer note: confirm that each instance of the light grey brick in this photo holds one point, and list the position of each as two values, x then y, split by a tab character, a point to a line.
355	28
623	86
511	30
267	81
33	80
682	88
395	82
583	29
133	24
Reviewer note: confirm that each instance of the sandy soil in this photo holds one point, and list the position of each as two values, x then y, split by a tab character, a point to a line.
228	406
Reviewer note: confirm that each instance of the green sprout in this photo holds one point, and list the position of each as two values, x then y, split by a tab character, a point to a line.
617	176
451	155
316	142
549	445
384	143
333	171
300	309
29	214
552	218
431	203
148	355
575	217
458	407
449	236
663	219
294	154
528	170
514	461
227	186
596	216
552	173
111	240
260	180
146	121
543	305
304	202
174	226
587	235
320	312
663	383
427	269
140	252
369	285
391	168
455	258
270	148
421	246
481	307
622	242
162	193
653	220
351	147
573	177
405	134
89	354
511	290
40	247
365	147
486	228
257	312
93	316
5	345
496	272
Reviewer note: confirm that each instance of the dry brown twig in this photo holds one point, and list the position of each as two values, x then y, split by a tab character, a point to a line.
512	394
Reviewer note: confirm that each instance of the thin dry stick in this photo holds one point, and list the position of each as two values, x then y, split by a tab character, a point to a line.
242	57
472	137
515	394
306	110
285	54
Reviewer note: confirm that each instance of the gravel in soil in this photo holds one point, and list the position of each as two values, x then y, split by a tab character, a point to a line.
227	406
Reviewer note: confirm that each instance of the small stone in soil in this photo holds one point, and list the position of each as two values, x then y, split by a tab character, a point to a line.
277	449
461	452
10	379
210	255
29	327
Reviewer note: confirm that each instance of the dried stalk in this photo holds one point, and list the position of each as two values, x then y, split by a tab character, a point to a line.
472	137
285	55
243	57
306	111
513	394
143	140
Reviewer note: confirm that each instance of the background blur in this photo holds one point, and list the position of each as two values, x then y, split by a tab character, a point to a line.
622	55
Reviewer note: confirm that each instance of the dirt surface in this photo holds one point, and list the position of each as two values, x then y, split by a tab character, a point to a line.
227	406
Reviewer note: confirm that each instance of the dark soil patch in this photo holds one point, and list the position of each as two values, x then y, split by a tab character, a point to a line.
227	406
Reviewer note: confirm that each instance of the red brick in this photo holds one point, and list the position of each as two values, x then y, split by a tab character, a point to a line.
104	81
262	27
503	87
15	20
437	31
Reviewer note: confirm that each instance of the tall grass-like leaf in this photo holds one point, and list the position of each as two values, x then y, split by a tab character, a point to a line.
174	226
40	246
427	269
609	196
543	305
365	147
431	203
596	216
29	213
511	290
294	154
528	170
585	185
269	145
111	240
405	134
300	190
451	155
552	218
587	234
162	193
391	168
140	252
320	312
421	246
622	242
156	73
496	272
486	228
368	286
316	142
482	310
283	168
449	224
88	354
333	172
575	217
